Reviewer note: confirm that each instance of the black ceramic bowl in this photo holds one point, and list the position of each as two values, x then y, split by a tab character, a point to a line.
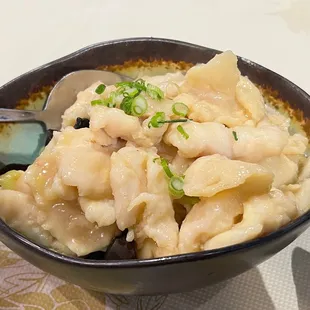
168	274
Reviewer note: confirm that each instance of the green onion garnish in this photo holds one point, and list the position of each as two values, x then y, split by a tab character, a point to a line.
124	84
181	130
176	186
112	99
140	85
138	106
100	89
134	88
131	102
126	105
164	163
97	102
157	120
235	135
154	92
179	108
180	120
131	92
175	182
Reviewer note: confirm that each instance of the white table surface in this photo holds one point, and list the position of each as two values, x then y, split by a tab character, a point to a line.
274	33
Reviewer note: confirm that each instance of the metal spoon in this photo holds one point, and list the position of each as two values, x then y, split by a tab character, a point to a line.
62	96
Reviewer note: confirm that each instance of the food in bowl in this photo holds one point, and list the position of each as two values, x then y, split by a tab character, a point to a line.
178	163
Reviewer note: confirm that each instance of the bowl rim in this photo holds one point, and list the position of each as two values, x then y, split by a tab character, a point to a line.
179	258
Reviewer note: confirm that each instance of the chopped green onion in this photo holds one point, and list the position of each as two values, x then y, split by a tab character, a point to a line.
97	102
108	102
181	130
176	186
156	120
140	85
126	105
154	92
124	84
131	92
235	135
164	163
175	182
179	108
120	90
134	88
113	99
139	106
180	120
100	89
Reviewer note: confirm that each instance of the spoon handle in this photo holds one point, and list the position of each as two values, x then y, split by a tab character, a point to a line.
12	115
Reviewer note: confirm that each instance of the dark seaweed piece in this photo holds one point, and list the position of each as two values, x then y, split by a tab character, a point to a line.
81	123
49	136
9	167
120	249
99	255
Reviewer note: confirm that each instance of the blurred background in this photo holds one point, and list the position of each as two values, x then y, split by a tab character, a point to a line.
274	33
